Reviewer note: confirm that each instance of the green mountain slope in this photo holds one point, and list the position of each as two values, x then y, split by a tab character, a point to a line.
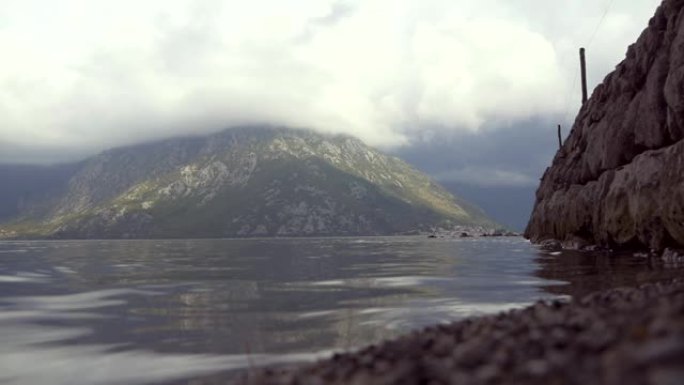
246	182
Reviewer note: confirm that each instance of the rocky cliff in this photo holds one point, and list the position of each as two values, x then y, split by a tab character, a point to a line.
618	180
251	181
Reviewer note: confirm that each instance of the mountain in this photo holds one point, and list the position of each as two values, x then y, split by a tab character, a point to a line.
23	184
508	205
251	181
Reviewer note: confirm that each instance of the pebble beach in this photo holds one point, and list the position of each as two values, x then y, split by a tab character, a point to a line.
619	336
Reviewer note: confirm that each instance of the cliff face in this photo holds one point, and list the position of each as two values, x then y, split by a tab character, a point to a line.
618	180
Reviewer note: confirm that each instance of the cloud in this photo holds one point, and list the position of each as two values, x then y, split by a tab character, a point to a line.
95	74
498	155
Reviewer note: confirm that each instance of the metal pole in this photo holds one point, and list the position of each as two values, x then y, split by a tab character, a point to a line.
560	141
583	66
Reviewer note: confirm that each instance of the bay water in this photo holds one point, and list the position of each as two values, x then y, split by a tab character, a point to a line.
196	311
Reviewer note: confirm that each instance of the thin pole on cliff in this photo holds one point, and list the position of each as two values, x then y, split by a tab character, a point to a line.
583	66
560	141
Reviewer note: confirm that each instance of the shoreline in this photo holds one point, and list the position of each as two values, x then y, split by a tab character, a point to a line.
617	336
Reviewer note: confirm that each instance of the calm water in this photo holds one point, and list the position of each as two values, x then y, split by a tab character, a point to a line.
138	312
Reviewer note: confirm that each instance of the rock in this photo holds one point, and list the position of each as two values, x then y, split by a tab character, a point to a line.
576	243
673	256
618	180
550	245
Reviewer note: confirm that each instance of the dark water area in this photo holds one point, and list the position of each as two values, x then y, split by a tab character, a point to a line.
190	311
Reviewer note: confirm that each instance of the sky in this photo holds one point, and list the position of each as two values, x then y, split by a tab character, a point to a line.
469	91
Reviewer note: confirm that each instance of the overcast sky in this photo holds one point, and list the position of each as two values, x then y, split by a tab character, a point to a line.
408	76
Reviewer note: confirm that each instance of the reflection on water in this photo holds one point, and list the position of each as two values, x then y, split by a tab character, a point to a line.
584	273
105	312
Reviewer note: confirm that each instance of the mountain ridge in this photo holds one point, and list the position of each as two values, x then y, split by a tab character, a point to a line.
245	181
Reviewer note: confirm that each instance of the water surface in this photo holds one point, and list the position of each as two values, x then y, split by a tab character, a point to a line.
182	311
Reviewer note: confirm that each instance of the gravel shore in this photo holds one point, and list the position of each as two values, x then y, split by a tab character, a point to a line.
619	336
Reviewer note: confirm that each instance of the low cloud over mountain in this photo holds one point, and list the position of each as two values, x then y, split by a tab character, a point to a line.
79	77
